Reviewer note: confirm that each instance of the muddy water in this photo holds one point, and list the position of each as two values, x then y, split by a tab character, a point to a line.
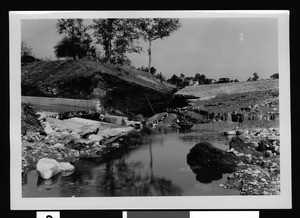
157	167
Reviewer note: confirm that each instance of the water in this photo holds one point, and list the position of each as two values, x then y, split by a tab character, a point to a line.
157	167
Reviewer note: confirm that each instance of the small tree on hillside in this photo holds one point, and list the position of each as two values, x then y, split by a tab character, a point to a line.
26	53
76	42
157	28
174	80
200	78
152	70
255	76
160	77
25	49
275	76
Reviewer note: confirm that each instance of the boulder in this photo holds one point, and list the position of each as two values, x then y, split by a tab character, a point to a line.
95	138
66	166
170	118
47	168
268	153
262	145
239	132
47	128
42	116
205	155
255	144
59	146
230	132
274	138
75	135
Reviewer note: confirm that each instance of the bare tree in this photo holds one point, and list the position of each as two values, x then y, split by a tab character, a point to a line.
157	28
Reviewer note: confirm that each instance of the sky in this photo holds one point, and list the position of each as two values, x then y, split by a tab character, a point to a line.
217	47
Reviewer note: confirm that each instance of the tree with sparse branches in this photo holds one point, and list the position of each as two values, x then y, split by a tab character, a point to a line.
118	37
157	28
76	42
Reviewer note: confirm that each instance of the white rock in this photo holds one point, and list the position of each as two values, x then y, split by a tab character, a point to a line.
230	132
66	166
75	135
255	144
47	127
268	153
46	168
274	138
59	146
42	115
95	138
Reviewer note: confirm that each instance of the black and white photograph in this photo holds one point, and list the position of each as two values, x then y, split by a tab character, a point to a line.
139	109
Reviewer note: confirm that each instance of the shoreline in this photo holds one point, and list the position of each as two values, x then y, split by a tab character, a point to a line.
76	138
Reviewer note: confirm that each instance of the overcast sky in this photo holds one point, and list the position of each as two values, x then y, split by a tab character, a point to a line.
216	47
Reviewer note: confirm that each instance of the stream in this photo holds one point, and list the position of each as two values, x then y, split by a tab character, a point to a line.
157	167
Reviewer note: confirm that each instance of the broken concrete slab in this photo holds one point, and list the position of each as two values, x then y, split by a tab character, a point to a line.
80	125
108	133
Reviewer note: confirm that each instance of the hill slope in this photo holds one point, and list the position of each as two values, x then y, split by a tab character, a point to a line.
117	87
210	91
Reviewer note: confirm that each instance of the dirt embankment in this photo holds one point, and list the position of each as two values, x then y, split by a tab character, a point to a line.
123	88
204	92
252	104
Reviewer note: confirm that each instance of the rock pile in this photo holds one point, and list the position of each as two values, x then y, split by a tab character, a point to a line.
261	149
69	145
252	161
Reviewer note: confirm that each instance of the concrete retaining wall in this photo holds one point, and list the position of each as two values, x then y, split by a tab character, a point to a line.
89	104
115	119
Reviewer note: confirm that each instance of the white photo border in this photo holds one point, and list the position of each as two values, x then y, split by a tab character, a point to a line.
282	201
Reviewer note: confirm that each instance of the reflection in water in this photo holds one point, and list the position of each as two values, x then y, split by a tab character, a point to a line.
207	175
24	178
157	167
47	184
119	178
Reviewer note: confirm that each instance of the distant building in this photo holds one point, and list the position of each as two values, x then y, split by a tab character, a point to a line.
213	81
193	83
223	80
